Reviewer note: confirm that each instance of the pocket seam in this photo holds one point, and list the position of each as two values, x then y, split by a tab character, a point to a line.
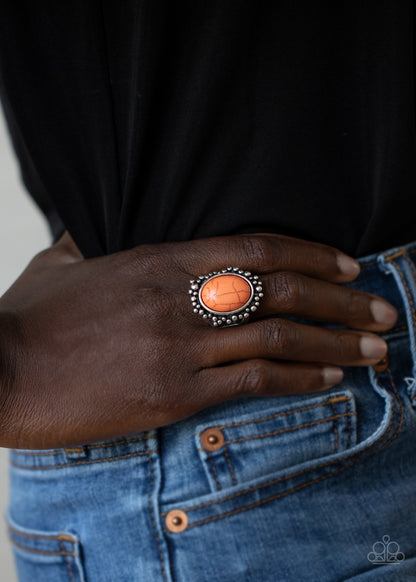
44	552
67	563
329	400
357	456
214	470
349	425
413	269
68	559
64	537
230	466
335	426
326	405
292	429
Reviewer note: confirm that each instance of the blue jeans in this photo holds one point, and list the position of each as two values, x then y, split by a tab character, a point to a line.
316	487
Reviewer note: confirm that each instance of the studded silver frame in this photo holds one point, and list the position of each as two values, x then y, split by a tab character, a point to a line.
226	318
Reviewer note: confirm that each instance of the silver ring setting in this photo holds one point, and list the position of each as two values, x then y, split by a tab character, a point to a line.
227	297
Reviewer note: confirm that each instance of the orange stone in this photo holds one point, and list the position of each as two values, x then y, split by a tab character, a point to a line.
225	293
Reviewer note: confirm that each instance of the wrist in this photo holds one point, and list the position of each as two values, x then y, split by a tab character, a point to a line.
67	246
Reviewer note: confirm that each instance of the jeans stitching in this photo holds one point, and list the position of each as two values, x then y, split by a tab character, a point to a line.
348	425
40	454
214	471
399	328
402	277
369	264
116	443
412	266
322	465
43	552
292	411
227	456
161	559
289	429
389	258
335	425
68	565
413	269
46	467
368	451
64	537
57	451
74	450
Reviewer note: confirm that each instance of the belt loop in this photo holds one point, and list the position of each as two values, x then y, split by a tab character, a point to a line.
384	264
411	389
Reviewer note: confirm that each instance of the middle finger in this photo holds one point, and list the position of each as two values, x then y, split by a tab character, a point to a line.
299	295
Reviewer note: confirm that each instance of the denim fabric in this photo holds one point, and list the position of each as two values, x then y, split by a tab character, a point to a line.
318	487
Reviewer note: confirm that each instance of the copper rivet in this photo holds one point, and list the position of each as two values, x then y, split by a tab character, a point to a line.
382	364
176	520
212	439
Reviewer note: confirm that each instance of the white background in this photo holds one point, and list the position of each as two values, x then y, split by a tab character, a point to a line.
23	232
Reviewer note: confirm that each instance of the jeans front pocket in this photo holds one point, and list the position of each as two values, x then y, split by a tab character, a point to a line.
274	438
46	556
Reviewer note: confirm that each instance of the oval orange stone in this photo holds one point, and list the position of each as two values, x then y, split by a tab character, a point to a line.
227	292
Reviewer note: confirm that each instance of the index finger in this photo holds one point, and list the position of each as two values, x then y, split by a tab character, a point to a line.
265	253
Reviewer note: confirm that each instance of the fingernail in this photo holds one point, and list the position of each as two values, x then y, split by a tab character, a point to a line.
332	375
382	311
373	347
348	265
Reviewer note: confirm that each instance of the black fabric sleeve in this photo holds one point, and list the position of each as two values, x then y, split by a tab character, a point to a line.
29	175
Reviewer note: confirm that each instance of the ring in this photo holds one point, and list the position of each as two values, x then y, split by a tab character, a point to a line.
226	297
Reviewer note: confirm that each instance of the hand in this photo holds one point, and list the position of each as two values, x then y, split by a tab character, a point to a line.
99	348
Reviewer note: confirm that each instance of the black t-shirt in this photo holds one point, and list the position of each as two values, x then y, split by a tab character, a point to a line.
149	121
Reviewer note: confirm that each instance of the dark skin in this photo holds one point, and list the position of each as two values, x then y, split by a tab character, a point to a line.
99	348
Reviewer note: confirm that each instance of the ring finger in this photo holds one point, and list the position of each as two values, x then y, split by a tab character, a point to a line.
278	338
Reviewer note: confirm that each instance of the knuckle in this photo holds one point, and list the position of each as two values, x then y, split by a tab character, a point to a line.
278	336
42	256
158	304
258	249
287	290
254	379
145	259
